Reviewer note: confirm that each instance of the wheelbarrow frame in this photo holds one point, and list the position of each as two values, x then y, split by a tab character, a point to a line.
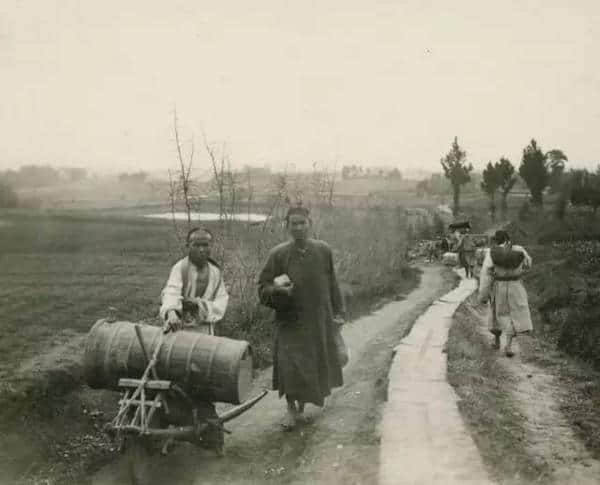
142	398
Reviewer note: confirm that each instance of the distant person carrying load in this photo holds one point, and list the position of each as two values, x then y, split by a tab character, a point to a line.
500	283
444	245
466	253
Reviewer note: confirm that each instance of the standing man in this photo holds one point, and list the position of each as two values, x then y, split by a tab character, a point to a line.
195	297
466	253
444	246
500	282
299	283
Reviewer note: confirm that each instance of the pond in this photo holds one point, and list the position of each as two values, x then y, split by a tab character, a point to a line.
209	216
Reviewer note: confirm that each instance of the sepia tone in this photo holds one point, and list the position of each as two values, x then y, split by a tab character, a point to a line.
314	242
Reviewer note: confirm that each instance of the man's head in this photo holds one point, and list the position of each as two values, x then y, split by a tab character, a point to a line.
501	236
199	243
298	223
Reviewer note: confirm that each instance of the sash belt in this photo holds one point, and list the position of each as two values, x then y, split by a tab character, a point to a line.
507	278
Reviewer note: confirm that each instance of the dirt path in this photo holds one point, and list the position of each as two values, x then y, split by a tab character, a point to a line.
537	394
340	443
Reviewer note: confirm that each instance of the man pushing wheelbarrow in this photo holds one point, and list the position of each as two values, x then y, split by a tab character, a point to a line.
170	377
194	299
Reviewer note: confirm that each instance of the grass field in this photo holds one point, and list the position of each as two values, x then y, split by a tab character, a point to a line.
59	274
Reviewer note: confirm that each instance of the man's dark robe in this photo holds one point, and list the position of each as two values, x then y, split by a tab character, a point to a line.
305	363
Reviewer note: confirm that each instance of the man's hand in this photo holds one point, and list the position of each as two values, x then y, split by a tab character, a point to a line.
339	320
283	285
173	322
286	289
202	310
190	305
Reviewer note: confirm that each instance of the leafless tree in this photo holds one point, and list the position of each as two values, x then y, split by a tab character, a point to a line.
184	181
218	162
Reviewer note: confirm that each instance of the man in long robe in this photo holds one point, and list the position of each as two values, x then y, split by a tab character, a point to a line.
300	284
500	283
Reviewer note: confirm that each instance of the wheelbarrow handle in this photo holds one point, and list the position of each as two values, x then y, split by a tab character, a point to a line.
242	408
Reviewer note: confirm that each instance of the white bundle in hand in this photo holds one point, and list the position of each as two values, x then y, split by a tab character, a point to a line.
282	280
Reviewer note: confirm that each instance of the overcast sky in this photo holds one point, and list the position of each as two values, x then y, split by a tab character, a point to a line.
95	83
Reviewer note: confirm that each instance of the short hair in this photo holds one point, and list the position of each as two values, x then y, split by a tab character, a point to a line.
194	230
501	236
297	211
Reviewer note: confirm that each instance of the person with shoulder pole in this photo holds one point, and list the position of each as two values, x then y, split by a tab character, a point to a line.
501	285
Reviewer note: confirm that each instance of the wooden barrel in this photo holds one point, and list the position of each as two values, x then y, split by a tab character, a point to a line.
207	367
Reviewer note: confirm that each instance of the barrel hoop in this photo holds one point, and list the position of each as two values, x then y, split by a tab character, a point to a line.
234	368
107	351
210	362
128	354
188	360
153	345
169	352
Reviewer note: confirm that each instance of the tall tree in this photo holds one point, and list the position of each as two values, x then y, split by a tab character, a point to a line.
506	180
534	171
556	160
457	171
539	170
490	184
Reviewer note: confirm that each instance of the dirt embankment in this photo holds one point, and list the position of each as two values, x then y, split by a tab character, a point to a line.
517	408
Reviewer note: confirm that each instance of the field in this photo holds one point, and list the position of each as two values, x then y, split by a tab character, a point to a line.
63	271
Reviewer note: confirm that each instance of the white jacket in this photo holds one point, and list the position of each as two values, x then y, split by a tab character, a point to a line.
182	284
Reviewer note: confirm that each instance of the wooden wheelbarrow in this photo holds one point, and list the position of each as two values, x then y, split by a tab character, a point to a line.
157	411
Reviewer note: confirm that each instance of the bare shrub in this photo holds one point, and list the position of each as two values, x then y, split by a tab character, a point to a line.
369	244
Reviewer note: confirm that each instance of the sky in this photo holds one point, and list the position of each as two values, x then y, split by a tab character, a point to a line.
96	83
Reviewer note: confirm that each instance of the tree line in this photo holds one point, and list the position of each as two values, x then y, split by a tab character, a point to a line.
539	170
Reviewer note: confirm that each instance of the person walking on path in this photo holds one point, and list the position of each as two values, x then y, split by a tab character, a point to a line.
466	253
500	283
444	246
299	282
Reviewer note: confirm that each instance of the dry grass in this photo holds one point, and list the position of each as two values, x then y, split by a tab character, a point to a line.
492	418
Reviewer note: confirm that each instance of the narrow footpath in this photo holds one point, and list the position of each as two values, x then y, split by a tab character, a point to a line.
423	437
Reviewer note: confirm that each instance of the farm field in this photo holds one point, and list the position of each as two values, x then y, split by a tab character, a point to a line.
59	274
62	271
